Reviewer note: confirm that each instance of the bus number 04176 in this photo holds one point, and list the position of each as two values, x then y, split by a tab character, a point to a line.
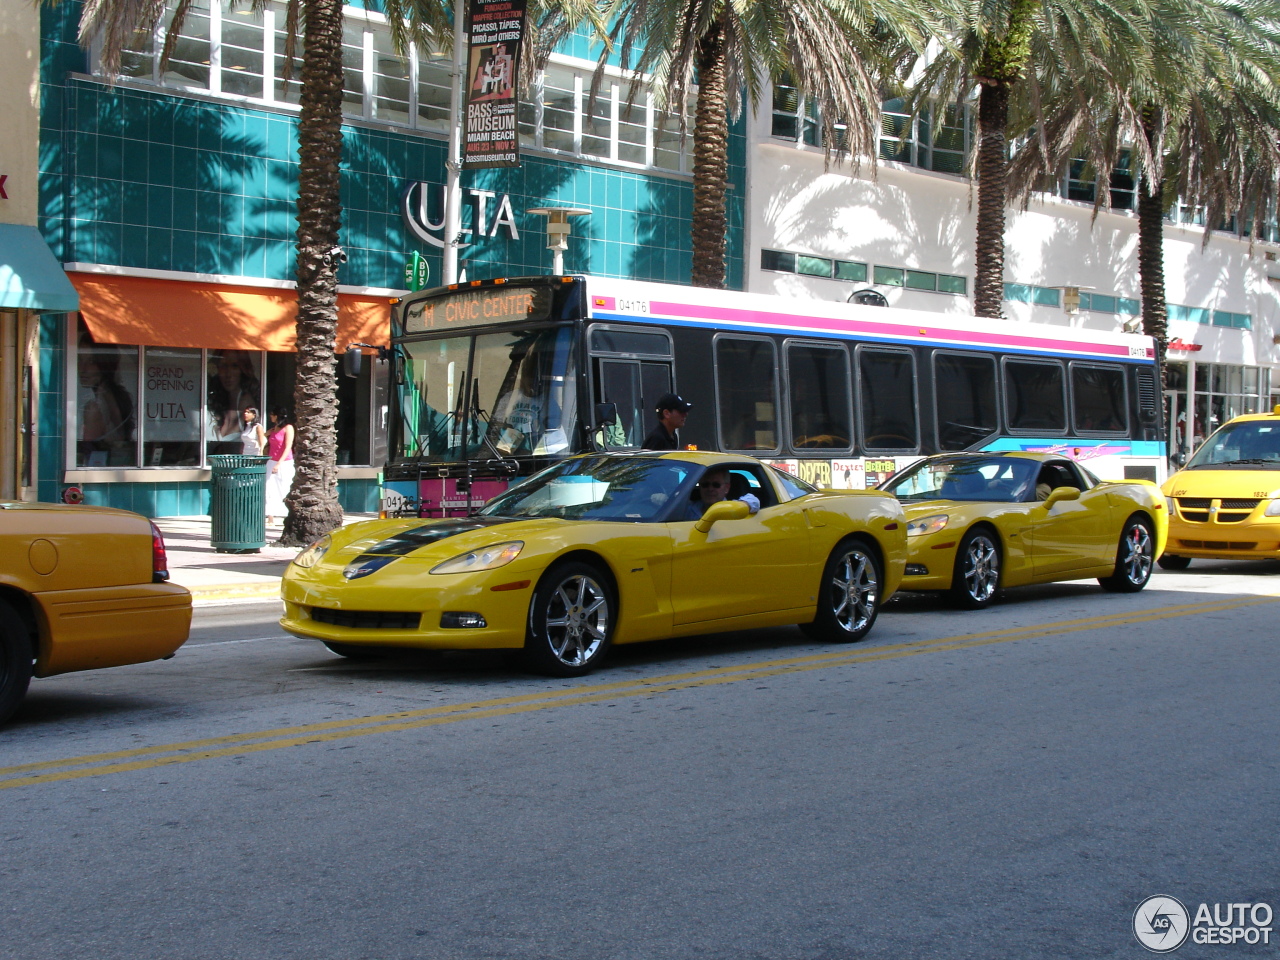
634	306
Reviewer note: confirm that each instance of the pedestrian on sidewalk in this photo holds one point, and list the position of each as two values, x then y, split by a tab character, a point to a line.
280	467
253	438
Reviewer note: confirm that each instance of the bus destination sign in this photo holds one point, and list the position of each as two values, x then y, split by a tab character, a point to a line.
472	308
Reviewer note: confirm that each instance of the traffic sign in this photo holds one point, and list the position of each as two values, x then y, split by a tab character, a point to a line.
416	272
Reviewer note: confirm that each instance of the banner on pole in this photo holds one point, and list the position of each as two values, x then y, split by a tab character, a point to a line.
495	29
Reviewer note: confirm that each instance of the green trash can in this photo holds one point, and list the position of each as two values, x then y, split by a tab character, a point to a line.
238	503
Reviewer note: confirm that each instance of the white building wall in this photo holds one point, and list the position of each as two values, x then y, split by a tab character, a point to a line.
904	216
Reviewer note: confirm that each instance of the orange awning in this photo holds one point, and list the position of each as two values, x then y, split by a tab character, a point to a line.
177	313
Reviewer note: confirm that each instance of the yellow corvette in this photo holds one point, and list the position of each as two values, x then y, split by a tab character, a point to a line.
979	522
603	549
81	587
1225	503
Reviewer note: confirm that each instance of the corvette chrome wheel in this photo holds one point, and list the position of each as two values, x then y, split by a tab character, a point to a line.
849	595
976	580
570	619
1135	558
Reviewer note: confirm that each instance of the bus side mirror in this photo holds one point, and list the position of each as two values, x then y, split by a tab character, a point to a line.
352	361
606	414
1179	458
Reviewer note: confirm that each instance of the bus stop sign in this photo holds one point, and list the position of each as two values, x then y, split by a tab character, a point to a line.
416	272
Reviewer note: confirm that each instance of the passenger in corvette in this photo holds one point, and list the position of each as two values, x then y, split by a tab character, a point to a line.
714	487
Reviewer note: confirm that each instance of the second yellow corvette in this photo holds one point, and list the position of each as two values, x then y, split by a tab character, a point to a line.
980	522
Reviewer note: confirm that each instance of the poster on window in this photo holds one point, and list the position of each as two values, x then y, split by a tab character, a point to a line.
171	387
495	29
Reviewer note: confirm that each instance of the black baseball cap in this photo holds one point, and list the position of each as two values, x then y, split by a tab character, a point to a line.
669	401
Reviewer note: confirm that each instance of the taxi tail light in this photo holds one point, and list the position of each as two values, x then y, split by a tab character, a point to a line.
159	557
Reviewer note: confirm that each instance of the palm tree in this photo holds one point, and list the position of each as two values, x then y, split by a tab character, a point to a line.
836	52
999	44
313	502
1201	124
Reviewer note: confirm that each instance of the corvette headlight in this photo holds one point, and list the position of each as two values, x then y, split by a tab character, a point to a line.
311	556
489	558
918	528
1273	509
1171	505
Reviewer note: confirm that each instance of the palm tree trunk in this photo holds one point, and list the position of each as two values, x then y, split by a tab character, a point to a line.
710	161
993	162
313	501
1155	314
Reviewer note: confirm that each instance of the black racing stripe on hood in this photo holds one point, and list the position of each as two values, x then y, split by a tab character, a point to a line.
432	531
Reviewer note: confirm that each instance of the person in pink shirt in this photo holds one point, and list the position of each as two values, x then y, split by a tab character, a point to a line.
280	465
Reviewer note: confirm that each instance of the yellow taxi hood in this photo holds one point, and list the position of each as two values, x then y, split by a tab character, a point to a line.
1234	483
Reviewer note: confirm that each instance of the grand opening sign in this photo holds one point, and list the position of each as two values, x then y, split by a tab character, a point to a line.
469	308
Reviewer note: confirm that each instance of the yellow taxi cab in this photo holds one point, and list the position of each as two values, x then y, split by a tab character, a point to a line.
1225	503
80	588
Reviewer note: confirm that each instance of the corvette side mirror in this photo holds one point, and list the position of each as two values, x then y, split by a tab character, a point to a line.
724	510
1059	494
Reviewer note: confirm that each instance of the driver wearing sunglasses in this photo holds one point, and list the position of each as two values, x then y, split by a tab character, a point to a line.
712	488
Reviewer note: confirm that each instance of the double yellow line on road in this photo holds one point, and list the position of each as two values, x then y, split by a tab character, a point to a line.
241	744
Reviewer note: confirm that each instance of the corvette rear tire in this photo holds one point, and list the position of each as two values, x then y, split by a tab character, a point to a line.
975	583
1171	561
571	620
16	657
848	595
1135	558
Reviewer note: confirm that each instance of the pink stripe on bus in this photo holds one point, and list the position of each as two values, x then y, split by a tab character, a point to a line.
730	315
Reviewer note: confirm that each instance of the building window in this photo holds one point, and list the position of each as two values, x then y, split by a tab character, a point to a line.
1029	293
855	272
888	276
173	379
1081	183
794	118
235	382
106	403
223	51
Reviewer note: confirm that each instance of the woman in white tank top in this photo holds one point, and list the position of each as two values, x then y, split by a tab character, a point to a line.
253	438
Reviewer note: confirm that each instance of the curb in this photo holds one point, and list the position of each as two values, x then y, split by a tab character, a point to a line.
234	592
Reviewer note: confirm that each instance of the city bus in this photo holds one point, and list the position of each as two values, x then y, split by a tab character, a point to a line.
494	379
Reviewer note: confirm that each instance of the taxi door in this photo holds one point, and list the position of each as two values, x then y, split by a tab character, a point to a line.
741	567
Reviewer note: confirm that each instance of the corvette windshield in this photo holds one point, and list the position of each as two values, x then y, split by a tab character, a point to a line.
1251	445
995	480
628	489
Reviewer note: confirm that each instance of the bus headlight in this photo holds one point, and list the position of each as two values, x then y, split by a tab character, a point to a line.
918	528
488	558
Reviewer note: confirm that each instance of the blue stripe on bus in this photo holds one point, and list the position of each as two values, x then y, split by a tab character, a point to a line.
1117	447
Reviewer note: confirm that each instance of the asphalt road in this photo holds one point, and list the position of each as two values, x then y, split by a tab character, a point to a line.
1007	783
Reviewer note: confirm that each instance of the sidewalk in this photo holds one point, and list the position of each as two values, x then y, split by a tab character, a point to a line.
226	577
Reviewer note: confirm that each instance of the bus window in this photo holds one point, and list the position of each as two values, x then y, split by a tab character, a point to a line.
1099	404
747	393
964	399
819	394
887	397
635	386
1035	396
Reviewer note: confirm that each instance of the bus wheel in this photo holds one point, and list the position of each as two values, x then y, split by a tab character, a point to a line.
976	579
16	659
571	620
848	596
1171	561
1134	558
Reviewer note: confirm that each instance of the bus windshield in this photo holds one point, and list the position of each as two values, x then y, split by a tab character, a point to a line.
1250	444
510	394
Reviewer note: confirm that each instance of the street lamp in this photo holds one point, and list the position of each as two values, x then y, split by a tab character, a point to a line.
558	231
